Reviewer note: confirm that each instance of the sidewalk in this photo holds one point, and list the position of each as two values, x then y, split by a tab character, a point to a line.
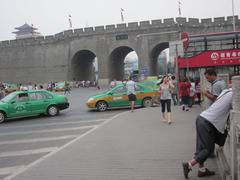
132	146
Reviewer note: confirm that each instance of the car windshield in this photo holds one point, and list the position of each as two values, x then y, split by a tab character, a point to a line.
8	97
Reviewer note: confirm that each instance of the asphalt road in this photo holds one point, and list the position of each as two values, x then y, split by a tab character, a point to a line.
26	140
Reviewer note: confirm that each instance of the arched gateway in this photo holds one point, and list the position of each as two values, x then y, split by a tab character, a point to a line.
69	55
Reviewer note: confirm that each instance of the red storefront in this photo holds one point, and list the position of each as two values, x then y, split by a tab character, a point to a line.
223	61
214	58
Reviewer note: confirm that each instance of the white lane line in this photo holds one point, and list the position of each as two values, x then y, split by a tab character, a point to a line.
47	130
61	148
10	170
28	152
51	124
38	140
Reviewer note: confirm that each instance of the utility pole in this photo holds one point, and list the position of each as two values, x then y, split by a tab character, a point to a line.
234	28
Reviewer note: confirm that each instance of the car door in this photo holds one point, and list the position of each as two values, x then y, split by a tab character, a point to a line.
39	102
20	105
140	94
119	97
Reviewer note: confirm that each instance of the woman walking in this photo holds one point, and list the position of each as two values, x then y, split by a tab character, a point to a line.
165	97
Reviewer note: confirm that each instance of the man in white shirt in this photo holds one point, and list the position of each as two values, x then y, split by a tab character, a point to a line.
131	88
209	125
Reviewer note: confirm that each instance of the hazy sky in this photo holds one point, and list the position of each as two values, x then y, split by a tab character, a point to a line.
51	16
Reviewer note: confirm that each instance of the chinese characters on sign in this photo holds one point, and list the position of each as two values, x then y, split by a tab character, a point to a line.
225	55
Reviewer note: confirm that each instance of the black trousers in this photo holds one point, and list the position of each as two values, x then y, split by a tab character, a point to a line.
164	102
206	135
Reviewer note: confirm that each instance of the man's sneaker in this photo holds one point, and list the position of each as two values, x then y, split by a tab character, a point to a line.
206	173
186	169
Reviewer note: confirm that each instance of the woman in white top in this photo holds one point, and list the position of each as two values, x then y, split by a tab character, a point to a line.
165	97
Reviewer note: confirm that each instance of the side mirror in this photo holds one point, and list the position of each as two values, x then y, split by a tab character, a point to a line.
12	102
110	93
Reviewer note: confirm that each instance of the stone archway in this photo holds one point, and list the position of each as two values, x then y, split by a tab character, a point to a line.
82	65
116	62
156	51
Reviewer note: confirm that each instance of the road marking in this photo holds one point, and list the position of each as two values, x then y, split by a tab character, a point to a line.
28	152
10	170
61	148
38	139
51	124
48	130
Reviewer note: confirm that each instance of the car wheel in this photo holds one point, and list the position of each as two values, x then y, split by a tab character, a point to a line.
101	106
147	102
52	110
2	117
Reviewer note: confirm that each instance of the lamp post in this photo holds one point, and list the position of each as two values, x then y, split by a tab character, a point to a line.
233	16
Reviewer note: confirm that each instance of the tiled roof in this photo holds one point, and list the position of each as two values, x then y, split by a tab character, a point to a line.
25	27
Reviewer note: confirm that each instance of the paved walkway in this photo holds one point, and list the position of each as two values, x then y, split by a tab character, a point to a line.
131	146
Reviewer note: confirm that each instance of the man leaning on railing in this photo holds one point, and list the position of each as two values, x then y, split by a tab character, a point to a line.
210	130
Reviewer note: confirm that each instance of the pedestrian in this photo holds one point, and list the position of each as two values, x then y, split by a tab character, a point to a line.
192	95
212	92
174	91
2	89
184	91
131	91
113	83
30	86
35	87
216	87
198	92
165	89
67	88
210	125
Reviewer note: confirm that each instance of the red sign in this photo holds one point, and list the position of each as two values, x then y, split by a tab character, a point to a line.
211	58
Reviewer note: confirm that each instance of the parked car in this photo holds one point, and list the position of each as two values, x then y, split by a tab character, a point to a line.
30	103
117	97
59	86
10	88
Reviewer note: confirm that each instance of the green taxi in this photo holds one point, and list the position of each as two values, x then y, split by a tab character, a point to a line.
117	97
30	103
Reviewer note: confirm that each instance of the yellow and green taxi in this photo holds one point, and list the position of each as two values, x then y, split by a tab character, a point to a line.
60	86
117	97
30	103
11	88
155	84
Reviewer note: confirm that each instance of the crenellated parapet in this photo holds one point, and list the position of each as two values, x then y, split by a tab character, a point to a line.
159	24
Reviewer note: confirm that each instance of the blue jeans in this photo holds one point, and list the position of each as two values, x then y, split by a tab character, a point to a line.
175	98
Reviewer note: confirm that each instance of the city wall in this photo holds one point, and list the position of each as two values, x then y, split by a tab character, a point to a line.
49	58
219	23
